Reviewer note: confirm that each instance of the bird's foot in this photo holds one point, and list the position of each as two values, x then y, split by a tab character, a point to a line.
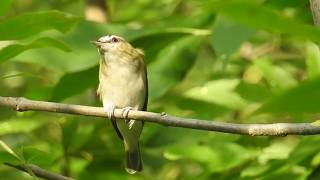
125	113
109	108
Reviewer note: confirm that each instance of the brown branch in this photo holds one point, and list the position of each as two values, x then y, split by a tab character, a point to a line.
34	170
277	129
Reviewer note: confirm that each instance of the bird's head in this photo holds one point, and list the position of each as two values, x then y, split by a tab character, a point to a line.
112	45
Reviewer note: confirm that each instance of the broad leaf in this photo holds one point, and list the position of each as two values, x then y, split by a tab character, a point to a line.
4	6
14	49
301	99
221	92
258	16
7	154
36	156
276	76
154	41
228	35
313	60
26	25
19	125
74	83
171	65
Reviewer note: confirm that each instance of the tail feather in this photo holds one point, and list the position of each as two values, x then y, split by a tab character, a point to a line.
134	162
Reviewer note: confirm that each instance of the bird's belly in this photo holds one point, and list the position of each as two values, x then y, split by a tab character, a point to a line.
124	92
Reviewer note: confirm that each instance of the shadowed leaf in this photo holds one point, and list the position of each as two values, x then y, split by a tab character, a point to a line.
75	83
26	25
13	50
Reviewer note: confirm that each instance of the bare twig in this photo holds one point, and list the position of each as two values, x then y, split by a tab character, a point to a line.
277	129
39	172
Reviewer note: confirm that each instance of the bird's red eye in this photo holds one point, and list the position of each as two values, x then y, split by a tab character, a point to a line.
114	40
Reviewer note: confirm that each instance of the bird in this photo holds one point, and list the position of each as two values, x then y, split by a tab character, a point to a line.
123	83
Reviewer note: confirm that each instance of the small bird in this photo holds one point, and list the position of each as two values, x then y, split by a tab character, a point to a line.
123	84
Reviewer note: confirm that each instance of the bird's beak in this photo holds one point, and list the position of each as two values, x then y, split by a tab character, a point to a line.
96	43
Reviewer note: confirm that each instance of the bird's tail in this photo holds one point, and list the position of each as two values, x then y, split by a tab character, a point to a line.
134	162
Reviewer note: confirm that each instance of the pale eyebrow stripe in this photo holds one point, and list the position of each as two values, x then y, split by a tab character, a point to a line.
105	38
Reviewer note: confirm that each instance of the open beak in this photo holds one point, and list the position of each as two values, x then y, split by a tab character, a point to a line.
96	43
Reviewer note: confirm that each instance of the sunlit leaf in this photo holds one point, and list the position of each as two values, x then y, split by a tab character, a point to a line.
279	149
221	92
313	60
8	155
19	125
218	157
277	77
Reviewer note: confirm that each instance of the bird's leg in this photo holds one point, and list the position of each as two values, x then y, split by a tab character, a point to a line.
109	108
125	113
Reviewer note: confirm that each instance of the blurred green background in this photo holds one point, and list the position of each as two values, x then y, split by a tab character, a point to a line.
240	61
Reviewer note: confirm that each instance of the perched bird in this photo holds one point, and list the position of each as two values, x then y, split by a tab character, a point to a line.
123	84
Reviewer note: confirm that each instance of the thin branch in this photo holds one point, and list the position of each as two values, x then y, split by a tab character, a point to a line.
39	172
277	129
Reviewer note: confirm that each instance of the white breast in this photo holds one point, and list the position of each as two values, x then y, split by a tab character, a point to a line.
122	85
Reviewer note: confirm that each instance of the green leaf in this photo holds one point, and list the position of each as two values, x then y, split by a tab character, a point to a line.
219	92
254	170
194	152
301	99
74	83
69	129
36	156
171	65
305	150
259	16
253	92
154	41
19	125
13	50
228	35
195	108
277	77
26	25
218	157
313	60
4	6
83	135
279	149
8	155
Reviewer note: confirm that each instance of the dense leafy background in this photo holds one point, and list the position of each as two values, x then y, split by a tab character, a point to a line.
235	61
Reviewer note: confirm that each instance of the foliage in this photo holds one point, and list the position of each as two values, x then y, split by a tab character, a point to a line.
236	61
